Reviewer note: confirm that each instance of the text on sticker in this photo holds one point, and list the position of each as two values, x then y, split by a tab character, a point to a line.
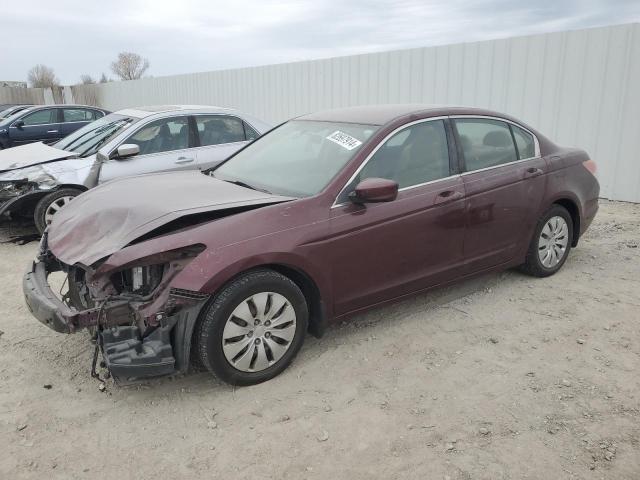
344	140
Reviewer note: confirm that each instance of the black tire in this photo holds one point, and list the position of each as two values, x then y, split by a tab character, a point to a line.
209	332
532	265
45	202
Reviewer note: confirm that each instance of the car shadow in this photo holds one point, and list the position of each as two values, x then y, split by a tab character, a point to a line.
378	321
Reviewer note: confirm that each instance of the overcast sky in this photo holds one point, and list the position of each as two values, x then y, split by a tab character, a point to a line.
183	36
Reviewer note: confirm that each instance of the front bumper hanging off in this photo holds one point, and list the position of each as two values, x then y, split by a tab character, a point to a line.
128	352
53	312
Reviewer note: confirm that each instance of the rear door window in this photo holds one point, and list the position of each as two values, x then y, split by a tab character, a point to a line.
485	143
78	115
219	129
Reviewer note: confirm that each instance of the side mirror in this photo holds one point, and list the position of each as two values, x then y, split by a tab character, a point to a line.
127	150
19	124
374	190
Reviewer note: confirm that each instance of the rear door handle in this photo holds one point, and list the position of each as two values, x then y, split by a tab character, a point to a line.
183	160
448	196
532	172
52	131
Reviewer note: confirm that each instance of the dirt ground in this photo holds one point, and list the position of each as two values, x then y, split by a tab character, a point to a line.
501	377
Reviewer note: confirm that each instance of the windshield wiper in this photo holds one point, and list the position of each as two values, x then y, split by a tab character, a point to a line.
96	146
240	183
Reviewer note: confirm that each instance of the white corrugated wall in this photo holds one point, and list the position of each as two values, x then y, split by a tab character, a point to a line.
581	88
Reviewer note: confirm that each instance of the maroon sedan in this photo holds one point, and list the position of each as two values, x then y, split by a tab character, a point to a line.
327	215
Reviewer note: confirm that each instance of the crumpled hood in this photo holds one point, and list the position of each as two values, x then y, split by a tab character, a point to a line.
31	154
109	217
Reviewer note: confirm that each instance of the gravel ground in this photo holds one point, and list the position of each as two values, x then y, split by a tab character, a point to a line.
504	376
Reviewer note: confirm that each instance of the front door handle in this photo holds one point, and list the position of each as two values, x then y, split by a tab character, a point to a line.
448	196
183	160
532	172
52	131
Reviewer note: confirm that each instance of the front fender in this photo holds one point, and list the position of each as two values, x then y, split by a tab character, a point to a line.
210	271
18	203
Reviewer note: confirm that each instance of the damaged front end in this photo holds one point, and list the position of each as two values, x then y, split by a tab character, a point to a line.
21	189
14	191
142	325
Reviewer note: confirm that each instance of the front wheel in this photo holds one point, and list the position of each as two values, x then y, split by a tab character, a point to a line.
253	328
550	244
50	204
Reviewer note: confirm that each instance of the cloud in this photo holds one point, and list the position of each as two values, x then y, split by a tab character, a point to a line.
77	37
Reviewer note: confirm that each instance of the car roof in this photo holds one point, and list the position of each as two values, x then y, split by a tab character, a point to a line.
383	114
4	106
32	108
146	111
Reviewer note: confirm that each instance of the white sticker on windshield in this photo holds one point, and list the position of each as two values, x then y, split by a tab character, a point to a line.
344	140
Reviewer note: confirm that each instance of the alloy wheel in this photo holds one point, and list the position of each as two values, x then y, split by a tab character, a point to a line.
259	332
55	206
553	241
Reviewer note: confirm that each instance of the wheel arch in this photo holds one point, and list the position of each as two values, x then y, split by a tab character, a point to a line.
317	312
75	186
306	284
572	207
25	204
311	292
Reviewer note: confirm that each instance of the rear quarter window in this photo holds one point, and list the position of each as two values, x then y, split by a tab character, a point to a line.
524	141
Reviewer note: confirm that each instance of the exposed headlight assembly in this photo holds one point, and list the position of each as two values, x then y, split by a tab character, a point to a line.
138	280
143	277
14	188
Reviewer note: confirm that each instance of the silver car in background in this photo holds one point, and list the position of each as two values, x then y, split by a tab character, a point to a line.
38	179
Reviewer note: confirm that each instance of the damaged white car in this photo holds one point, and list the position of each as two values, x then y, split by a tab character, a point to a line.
37	180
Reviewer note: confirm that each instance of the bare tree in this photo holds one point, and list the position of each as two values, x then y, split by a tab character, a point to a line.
87	80
129	66
104	79
42	76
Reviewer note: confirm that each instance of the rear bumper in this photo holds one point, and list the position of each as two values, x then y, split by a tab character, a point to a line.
588	214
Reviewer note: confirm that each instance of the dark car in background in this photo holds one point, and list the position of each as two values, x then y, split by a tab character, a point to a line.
8	109
45	123
325	216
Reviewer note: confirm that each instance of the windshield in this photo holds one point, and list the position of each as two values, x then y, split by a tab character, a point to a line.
7	112
298	158
11	116
87	140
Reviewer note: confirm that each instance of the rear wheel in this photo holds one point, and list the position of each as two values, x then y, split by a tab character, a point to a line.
50	204
550	244
253	329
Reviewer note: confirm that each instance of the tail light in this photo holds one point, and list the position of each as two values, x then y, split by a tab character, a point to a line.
591	166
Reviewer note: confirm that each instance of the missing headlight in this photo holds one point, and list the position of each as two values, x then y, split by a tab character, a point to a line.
138	280
14	188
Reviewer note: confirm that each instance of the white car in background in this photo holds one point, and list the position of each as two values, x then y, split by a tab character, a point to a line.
38	179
